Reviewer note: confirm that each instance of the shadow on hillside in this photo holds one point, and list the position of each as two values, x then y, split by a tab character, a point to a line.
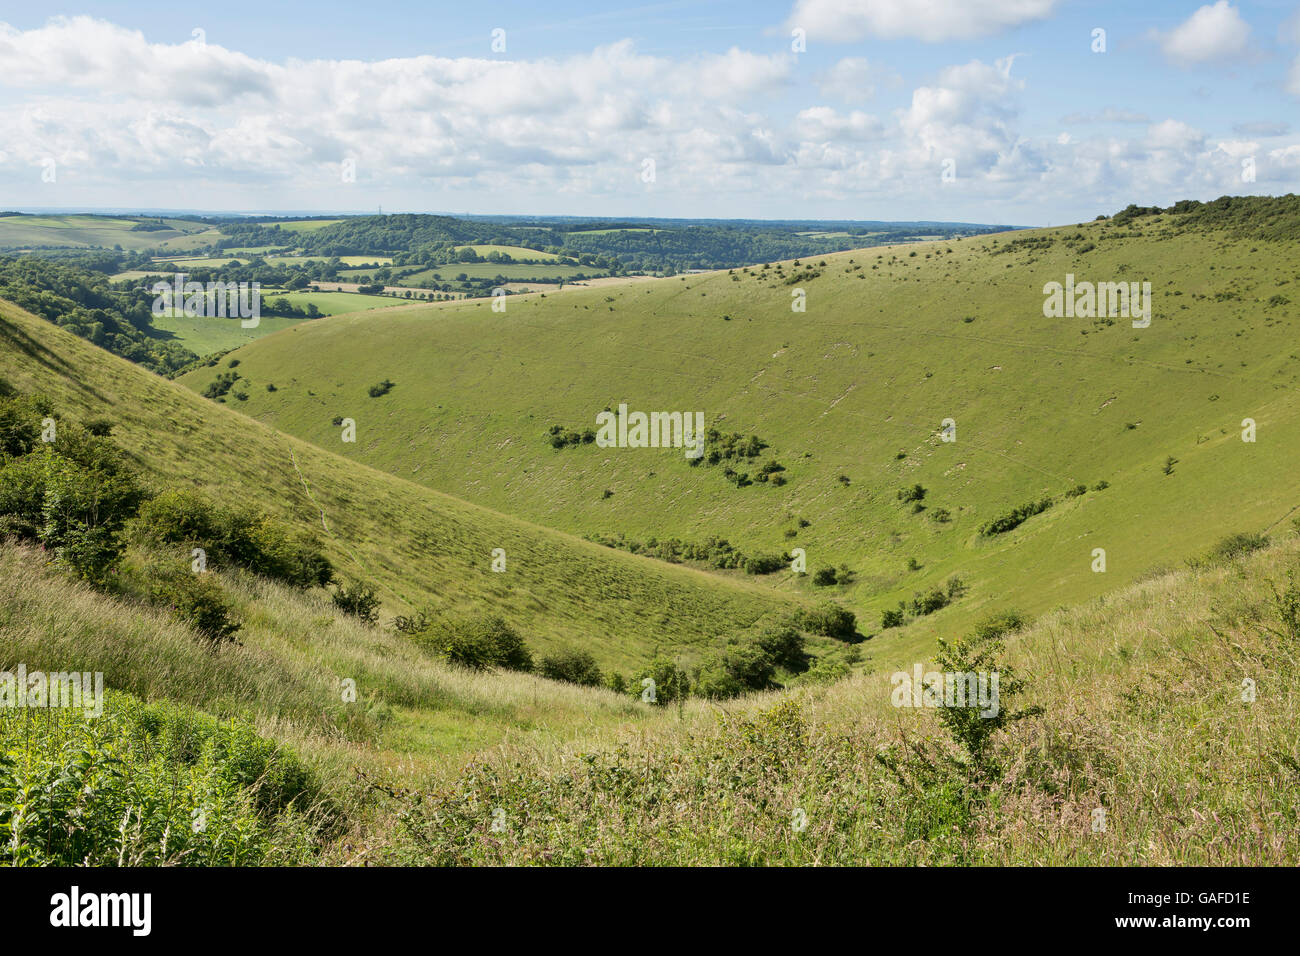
12	335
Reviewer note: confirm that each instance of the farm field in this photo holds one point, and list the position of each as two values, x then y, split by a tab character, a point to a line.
83	231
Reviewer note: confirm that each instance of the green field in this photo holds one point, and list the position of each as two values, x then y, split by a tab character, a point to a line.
606	232
203	335
84	231
421	548
850	397
308	225
490	270
1124	690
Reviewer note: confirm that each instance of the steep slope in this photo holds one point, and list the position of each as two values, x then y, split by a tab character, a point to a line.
850	395
420	547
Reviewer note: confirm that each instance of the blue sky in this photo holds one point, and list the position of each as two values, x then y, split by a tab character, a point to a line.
976	110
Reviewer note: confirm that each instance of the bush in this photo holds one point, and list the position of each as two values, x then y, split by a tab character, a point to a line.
997	626
824	577
383	388
197	599
359	600
478	644
1238	545
830	620
166	769
662	683
764	563
892	617
932	600
785	647
915	493
572	667
1015	518
252	540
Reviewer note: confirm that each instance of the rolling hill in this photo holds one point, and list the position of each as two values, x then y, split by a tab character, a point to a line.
850	396
420	548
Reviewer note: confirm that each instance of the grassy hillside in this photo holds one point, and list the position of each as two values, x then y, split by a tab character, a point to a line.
1158	728
1136	705
422	549
849	396
84	231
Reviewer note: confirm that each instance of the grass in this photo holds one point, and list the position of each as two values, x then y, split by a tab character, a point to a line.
490	270
419	547
850	397
203	335
1143	718
83	231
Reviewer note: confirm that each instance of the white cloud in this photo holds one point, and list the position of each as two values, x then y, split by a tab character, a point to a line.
823	123
1211	34
934	21
133	122
1174	134
854	80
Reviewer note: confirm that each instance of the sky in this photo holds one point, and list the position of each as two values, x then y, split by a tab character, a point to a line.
1025	112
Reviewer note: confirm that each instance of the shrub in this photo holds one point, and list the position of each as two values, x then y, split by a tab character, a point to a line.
661	683
164	768
785	647
932	600
764	563
972	727
571	666
478	644
892	617
824	577
359	600
196	599
830	620
249	539
996	626
383	388
1015	517
915	493
82	511
1238	545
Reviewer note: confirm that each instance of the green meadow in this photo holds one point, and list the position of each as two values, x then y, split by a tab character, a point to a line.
917	420
82	231
850	397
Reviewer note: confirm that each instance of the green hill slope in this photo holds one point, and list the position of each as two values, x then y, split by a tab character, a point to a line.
849	397
419	547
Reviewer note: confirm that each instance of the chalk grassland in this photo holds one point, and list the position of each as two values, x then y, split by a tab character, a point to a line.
1149	750
80	231
850	396
1145	718
421	548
